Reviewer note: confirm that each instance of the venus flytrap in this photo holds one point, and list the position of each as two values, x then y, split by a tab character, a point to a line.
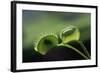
45	43
72	33
68	34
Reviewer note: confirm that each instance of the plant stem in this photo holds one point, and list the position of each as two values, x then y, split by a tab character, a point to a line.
71	47
84	48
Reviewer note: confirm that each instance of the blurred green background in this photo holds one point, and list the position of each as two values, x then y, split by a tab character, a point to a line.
38	23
